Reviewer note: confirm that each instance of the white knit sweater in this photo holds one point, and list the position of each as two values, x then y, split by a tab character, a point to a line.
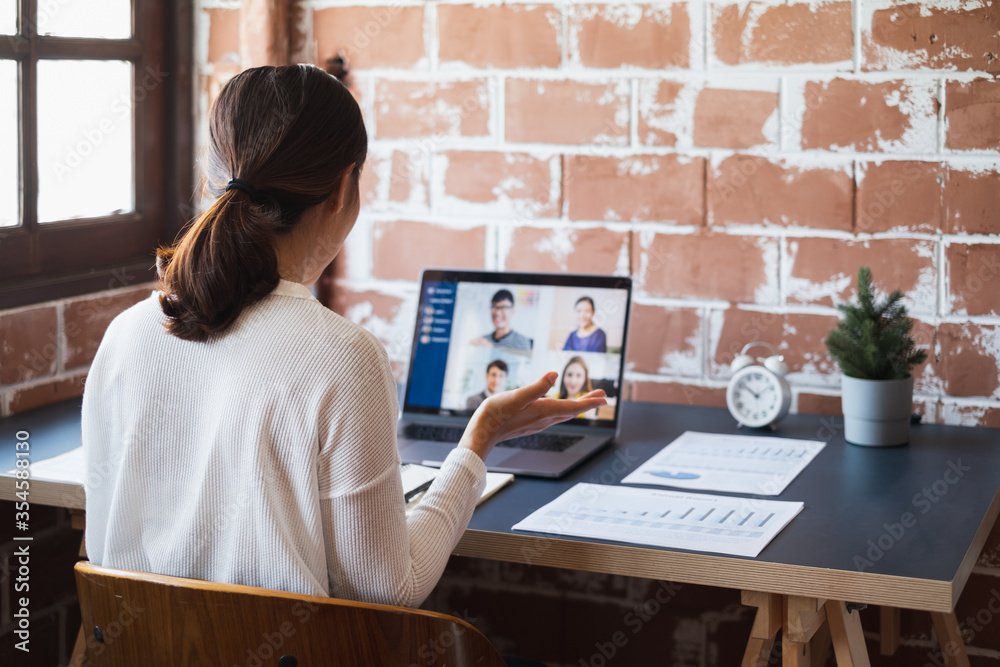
266	457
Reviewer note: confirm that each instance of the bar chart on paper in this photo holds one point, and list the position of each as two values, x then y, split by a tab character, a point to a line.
760	465
672	519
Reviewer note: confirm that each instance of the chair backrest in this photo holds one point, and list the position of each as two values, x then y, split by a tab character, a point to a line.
132	618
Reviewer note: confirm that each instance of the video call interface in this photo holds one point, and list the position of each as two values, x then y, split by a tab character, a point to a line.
476	339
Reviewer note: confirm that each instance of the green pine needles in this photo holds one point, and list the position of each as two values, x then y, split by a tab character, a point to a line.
872	341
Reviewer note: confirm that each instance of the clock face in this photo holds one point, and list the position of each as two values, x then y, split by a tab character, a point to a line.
756	396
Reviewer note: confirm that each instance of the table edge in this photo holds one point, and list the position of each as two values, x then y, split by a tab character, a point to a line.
978	542
685	567
709	570
46	492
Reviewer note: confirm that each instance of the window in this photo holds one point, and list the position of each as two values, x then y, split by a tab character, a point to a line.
95	142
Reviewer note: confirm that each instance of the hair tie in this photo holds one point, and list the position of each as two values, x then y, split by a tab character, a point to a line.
240	184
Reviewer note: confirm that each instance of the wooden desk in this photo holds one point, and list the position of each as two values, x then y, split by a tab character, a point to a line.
899	527
945	485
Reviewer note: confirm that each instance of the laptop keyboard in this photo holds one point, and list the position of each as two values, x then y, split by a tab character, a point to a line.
546	442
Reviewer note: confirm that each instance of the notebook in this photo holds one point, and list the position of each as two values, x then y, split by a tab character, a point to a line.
480	332
417	479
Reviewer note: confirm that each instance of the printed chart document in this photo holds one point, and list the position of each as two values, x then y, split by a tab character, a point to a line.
672	519
758	465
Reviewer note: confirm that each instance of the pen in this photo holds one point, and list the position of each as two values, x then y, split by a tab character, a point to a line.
408	496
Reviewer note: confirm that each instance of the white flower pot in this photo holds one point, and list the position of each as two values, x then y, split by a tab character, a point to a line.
877	412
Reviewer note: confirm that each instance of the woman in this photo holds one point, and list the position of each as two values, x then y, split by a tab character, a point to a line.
245	433
575	383
587	337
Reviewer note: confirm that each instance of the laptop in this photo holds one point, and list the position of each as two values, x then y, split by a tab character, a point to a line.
480	332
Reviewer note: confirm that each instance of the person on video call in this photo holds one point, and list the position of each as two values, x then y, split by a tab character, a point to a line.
501	312
231	386
496	380
587	337
575	382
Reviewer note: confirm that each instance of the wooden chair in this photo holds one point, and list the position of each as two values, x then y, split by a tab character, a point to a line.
131	618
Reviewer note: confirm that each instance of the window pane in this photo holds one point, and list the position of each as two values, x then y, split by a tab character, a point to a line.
8	17
107	19
85	157
9	201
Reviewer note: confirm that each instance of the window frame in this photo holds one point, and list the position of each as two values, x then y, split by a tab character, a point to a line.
41	262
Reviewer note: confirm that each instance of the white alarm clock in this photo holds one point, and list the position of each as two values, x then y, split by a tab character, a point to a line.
758	394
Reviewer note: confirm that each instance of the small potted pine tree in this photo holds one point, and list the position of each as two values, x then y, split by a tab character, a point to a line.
873	346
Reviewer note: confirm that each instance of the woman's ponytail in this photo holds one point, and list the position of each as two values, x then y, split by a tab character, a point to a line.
280	138
224	262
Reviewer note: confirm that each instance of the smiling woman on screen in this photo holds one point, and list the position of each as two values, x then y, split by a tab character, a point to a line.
575	383
243	432
587	337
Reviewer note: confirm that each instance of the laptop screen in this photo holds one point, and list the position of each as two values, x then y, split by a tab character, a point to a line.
478	333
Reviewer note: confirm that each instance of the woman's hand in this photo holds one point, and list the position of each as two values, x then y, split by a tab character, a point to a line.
522	411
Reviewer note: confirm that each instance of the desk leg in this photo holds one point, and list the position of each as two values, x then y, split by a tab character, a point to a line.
808	627
78	521
950	639
795	654
803	617
820	645
766	624
848	638
888	630
79	656
758	652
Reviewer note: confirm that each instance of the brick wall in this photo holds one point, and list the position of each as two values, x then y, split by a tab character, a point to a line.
44	356
740	161
47	348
